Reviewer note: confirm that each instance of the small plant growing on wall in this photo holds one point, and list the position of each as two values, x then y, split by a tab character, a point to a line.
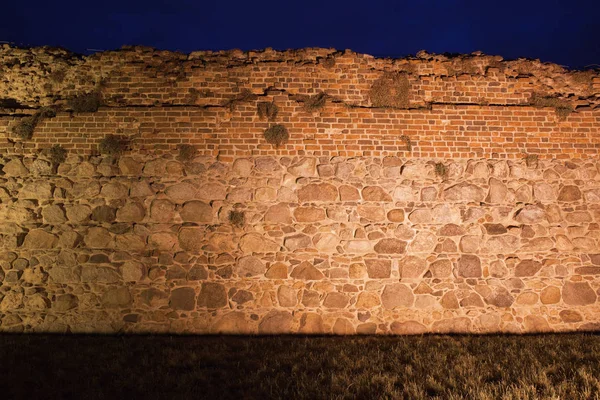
407	142
112	145
57	154
276	135
187	152
562	108
244	96
391	90
315	102
237	218
531	160
268	110
441	170
87	102
26	126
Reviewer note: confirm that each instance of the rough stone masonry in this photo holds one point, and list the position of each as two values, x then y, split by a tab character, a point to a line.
139	193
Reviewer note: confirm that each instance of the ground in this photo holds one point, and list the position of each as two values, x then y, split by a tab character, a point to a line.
361	367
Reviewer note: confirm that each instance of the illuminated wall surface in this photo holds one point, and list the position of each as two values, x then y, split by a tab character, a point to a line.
428	194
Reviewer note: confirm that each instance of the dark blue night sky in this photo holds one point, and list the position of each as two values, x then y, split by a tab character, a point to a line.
566	32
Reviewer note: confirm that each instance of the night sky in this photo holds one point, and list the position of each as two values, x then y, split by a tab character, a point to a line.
566	32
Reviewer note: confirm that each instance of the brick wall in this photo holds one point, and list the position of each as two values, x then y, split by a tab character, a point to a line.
469	206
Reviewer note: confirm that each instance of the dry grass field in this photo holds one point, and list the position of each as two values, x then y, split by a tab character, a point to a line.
548	366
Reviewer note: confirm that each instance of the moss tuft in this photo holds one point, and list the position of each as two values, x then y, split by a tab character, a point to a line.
26	126
267	110
57	154
407	141
276	135
441	170
88	102
531	160
391	90
561	107
112	145
315	102
237	218
187	152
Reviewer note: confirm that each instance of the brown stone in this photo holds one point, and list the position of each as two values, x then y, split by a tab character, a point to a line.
311	323
15	167
129	166
369	328
349	193
527	268
275	322
317	192
368	300
78	213
472	300
191	238
375	193
454	325
396	215
451	230
326	242
449	301
499	297
495	229
277	271
131	212
464	192
53	214
197	211
181	192
242	167
569	193
232	323
183	298
256	243
250	266
530	215
535	323
343	327
397	295
497	192
378	269
287	296
570	316
578	294
39	239
104	214
306	271
390	246
65	302
309	214
212	295
469	266
116	297
162	210
305	167
412	267
587	270
407	328
114	190
278	214
298	241
441	268
335	300
371	213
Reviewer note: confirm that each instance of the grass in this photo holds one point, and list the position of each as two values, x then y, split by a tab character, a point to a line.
441	170
407	142
531	160
58	154
551	366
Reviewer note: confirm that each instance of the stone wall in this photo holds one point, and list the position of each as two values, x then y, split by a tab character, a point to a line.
428	194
